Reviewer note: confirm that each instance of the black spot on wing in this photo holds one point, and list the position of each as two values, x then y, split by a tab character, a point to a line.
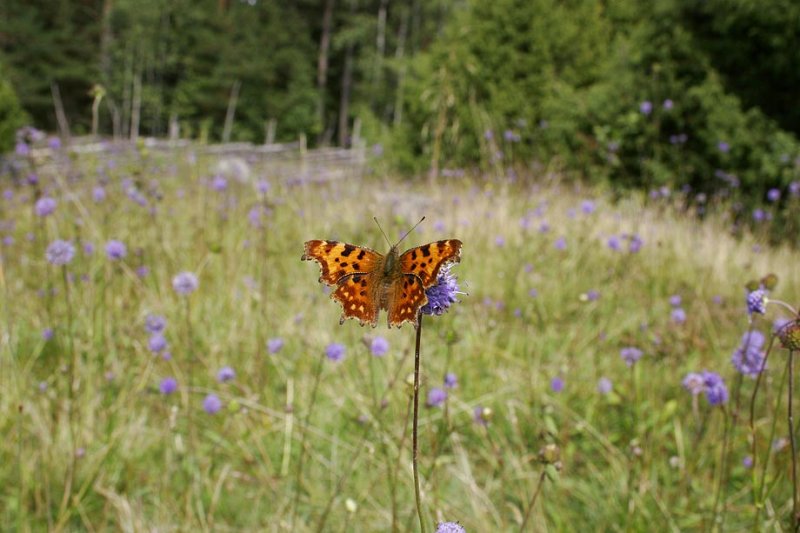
348	249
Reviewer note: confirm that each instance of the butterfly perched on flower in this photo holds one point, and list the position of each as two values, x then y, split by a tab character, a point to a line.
367	281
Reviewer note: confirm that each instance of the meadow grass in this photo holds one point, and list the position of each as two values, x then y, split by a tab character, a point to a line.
96	446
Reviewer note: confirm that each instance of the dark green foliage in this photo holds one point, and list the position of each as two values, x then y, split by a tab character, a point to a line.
12	117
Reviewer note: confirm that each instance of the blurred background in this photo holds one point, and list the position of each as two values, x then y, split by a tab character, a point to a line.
698	95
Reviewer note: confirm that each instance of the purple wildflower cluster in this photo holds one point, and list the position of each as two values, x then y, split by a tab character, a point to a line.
709	383
157	343
443	293
748	358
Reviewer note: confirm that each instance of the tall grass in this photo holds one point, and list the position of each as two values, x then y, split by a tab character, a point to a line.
645	453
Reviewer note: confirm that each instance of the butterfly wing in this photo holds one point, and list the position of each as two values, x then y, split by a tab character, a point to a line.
426	261
353	270
420	267
338	259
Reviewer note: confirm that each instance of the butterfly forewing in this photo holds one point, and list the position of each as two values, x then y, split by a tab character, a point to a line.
356	294
426	261
338	259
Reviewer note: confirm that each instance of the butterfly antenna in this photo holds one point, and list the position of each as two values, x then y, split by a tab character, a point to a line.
380	228
409	231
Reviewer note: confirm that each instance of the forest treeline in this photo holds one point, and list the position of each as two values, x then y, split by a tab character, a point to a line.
699	94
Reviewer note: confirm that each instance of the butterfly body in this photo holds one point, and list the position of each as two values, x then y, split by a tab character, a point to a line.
367	282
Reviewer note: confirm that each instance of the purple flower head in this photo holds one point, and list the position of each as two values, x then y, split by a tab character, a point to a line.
22	149
759	215
168	386
646	107
157	343
715	389
604	385
557	384
668	104
185	283
226	373
561	243
747	461
757	302
212	404
480	415
500	241
635	244
263	186
335	352
274	345
630	355
675	300
45	206
450	381
442	294
678	315
98	194
88	248
748	358
116	250
219	183
54	143
379	346
773	195
723	147
693	382
142	271
794	188
592	295
450	527
60	252
47	334
155	323
614	243
436	397
588	207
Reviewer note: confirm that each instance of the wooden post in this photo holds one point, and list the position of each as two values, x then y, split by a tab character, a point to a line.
269	136
61	116
232	101
136	106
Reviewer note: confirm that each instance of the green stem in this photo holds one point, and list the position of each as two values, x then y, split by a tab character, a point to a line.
723	467
414	430
533	501
790	416
753	449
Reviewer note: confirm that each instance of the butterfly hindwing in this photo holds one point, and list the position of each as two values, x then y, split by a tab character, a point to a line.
338	259
407	296
426	261
356	294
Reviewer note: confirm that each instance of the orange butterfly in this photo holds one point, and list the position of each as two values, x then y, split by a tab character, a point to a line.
367	281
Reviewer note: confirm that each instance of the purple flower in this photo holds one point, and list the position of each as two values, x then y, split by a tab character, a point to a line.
262	186
557	384
588	207
675	300
614	243
219	183
212	404
773	195
635	244
157	343
561	243
274	345
379	346
748	358
747	461
604	385
480	415
678	315
155	323
693	382
47	334
45	206
225	373
450	527
715	389
757	302
116	250
335	352
142	271
185	283
723	147
646	107
54	143
442	294
500	241
668	104
630	355
794	188
60	252
22	149
88	248
450	381
593	295
168	386
98	194
759	215
436	397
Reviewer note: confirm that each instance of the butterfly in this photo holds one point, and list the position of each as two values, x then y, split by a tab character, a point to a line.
367	281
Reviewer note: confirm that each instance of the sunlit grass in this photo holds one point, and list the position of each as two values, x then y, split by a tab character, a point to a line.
637	456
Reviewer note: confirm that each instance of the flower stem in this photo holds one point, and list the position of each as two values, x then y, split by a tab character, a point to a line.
717	520
754	452
533	500
414	431
790	416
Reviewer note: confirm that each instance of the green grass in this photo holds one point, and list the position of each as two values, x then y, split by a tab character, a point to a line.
644	457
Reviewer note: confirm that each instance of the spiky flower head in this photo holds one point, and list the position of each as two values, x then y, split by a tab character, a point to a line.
715	389
185	283
789	335
450	527
748	358
60	252
443	293
757	302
